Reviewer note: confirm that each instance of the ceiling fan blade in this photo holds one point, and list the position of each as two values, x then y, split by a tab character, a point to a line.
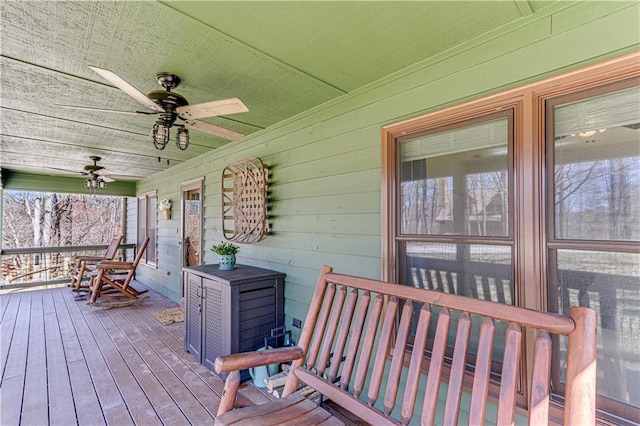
108	174
128	89
212	109
102	172
106	110
212	129
107	179
59	169
124	177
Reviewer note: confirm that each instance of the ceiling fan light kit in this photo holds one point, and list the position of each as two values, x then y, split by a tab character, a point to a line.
160	134
172	106
94	181
182	138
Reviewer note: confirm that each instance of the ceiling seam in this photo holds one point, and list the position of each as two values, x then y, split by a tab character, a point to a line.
101	149
71	121
258	51
72	170
53	70
32	64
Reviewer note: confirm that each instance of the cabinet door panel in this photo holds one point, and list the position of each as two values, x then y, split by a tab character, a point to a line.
215	321
193	323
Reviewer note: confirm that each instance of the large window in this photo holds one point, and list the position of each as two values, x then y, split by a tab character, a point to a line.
593	211
147	224
530	197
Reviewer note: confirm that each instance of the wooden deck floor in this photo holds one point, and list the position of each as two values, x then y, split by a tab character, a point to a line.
64	362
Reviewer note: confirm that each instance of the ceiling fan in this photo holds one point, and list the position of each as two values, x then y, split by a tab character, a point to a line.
172	106
98	176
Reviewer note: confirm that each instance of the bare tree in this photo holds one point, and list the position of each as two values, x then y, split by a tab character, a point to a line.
45	219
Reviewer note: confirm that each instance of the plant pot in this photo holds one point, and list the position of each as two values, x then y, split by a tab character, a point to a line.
167	214
226	261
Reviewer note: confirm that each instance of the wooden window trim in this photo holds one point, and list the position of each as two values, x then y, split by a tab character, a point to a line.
530	128
145	197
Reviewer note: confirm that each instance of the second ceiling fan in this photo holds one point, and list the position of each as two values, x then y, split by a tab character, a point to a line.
172	106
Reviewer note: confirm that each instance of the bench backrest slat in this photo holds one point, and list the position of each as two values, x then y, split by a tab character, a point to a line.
539	409
330	333
352	352
343	334
509	375
397	359
314	349
415	365
384	345
482	372
436	365
367	345
456	378
357	331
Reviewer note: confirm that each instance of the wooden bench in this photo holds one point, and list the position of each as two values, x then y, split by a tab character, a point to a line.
361	335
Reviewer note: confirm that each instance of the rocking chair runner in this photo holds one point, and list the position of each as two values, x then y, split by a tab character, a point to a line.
113	282
85	264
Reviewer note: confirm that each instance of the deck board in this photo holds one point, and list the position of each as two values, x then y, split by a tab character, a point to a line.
35	408
88	363
64	362
61	408
13	373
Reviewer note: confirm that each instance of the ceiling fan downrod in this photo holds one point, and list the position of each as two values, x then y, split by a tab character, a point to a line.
168	80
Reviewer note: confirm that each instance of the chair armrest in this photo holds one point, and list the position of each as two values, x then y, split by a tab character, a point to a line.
245	360
89	258
114	264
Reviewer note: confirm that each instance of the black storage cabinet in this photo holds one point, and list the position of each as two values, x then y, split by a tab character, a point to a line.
230	311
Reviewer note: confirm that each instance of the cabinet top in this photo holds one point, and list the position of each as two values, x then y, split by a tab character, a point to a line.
242	273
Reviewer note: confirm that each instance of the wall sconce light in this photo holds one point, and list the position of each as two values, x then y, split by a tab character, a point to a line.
165	207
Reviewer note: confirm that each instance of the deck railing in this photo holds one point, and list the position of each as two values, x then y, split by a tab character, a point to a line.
43	266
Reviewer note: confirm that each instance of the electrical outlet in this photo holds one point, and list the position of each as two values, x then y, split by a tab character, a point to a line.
297	323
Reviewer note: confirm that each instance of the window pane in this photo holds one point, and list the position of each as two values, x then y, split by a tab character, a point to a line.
142	216
610	284
152	217
597	167
456	182
479	271
192	226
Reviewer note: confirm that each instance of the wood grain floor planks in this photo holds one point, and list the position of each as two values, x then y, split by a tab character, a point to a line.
64	362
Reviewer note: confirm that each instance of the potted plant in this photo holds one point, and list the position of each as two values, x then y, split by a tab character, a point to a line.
226	255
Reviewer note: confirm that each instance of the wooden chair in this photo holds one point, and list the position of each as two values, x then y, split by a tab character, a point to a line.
112	285
354	349
85	264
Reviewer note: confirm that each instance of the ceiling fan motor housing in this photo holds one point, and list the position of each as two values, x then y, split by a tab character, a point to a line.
91	168
167	100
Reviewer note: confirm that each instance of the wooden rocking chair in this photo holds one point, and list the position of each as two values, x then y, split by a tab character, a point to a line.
86	264
112	286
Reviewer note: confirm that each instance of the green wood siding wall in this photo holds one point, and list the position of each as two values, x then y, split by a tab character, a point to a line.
326	163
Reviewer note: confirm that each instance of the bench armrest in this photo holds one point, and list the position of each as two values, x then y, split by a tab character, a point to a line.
245	360
233	363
